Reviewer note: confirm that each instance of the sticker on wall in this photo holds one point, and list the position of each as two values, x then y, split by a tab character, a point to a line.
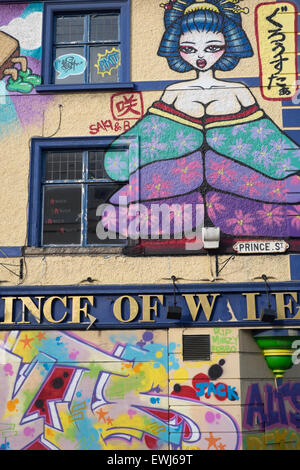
276	32
108	61
69	64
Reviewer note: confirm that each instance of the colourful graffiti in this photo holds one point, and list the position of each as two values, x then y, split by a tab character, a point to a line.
20	68
220	390
62	391
21	80
19	49
108	61
272	408
203	385
206	142
278	439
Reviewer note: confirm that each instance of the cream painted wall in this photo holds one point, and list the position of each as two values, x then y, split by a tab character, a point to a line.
120	269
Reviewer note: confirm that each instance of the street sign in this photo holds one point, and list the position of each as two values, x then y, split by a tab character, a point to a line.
261	246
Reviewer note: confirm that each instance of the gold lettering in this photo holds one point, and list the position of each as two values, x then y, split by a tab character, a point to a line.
48	309
281	306
230	309
77	309
133	308
34	309
251	307
147	307
297	316
8	310
202	301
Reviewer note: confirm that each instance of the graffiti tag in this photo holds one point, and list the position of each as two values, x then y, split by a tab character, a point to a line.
108	61
69	64
109	125
273	407
220	390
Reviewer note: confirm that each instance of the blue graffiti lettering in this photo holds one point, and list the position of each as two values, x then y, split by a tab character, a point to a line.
272	408
219	391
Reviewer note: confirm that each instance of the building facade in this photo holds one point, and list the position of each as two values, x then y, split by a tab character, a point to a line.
150	229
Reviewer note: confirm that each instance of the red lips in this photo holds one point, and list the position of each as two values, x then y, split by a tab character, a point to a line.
201	63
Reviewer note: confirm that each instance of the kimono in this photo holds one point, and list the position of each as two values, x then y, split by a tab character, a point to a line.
238	172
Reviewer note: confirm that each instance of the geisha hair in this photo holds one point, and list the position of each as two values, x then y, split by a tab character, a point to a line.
237	43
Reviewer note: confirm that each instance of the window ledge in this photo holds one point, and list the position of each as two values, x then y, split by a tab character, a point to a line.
86	87
77	251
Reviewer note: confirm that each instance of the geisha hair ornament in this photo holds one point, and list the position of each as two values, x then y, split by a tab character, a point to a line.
202	5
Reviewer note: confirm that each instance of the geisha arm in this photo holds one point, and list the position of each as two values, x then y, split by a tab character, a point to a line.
170	94
245	96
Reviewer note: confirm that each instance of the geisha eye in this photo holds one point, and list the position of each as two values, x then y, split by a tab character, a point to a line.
214	48
187	49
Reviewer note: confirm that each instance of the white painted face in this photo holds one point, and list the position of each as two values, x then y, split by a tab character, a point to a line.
201	49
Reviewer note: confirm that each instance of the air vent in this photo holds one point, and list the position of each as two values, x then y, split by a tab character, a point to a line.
196	347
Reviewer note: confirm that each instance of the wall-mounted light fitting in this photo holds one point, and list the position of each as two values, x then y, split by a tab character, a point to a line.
267	314
211	237
173	311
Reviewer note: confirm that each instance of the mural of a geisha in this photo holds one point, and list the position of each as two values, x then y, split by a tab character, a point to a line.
206	143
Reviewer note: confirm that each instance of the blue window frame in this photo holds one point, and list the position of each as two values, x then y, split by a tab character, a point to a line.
86	45
67	184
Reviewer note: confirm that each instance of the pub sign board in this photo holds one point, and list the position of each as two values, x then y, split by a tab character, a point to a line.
140	306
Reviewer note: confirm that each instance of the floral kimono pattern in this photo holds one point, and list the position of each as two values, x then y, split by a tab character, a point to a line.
238	172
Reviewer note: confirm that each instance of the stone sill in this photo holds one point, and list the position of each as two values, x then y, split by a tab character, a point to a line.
73	251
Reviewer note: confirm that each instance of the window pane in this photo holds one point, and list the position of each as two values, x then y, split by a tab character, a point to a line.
105	62
99	194
63	166
62	215
104	28
69	65
96	165
69	29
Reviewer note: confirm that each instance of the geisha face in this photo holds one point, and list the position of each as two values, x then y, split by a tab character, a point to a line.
201	49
